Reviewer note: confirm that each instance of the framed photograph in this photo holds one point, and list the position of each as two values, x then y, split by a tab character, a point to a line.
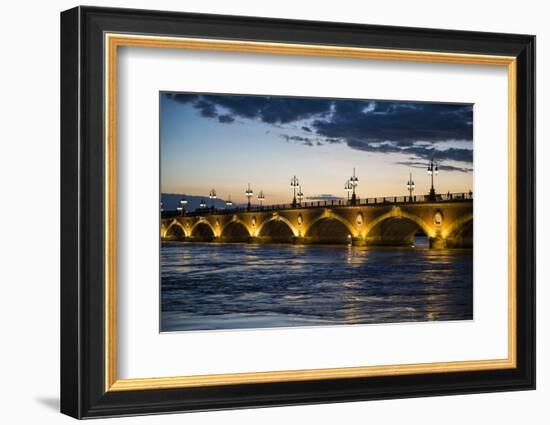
261	212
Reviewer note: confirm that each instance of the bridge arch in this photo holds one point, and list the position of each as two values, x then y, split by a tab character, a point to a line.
396	228
401	214
235	231
202	230
175	231
330	228
461	232
277	229
459	225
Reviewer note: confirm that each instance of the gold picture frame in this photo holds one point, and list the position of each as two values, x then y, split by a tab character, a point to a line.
91	40
114	41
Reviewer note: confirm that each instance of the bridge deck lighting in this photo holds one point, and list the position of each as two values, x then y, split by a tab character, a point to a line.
212	195
183	203
433	168
248	193
410	187
294	184
348	188
300	195
354	181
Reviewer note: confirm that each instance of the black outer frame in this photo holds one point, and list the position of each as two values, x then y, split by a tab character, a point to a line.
82	212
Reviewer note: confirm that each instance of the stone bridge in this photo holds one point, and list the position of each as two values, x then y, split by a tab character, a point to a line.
447	224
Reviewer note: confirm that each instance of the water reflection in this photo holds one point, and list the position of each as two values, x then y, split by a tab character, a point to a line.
225	286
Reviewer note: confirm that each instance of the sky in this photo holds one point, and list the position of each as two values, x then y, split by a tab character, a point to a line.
225	141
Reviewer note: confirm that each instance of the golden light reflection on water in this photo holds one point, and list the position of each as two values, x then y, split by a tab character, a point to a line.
314	284
431	311
356	255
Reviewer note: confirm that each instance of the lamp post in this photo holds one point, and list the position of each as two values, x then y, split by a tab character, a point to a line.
183	203
212	195
261	197
294	183
202	204
229	202
354	181
432	169
300	196
410	187
348	188
248	193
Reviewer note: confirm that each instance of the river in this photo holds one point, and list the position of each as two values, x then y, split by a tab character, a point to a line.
207	286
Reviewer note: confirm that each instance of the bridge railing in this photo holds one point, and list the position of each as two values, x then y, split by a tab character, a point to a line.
415	199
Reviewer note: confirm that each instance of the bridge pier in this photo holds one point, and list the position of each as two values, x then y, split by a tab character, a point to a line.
300	240
358	242
460	242
454	242
438	242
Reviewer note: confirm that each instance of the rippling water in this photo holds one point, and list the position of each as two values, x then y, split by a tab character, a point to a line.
228	286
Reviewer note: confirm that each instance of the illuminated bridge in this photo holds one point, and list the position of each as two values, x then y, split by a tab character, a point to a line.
447	221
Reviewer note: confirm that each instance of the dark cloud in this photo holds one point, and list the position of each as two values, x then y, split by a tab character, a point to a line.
307	141
207	109
226	119
423	151
450	154
385	147
182	97
443	167
407	128
285	110
364	123
270	110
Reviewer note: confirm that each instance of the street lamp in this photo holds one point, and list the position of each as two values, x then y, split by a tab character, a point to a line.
248	193
410	187
294	183
354	181
202	204
183	203
300	196
433	168
229	202
261	197
212	195
348	188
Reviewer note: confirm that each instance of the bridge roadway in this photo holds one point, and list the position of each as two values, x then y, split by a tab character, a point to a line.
447	221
